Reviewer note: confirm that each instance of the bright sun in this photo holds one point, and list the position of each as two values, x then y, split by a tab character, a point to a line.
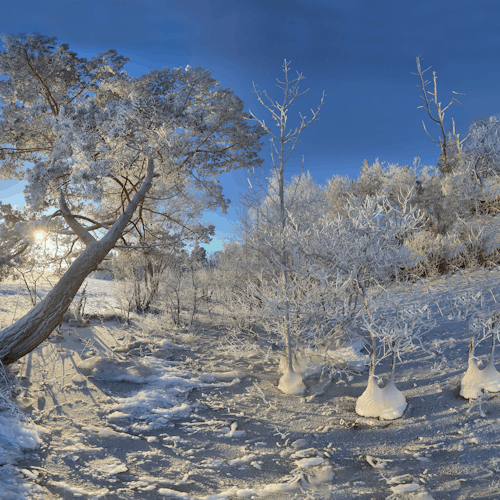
39	236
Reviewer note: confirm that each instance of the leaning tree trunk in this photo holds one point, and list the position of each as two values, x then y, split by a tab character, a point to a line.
33	328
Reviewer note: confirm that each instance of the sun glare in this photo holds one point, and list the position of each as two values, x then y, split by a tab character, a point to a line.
39	236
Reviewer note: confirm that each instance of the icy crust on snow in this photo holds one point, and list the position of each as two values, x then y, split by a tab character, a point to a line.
387	402
81	492
164	389
414	490
476	380
299	483
353	355
16	437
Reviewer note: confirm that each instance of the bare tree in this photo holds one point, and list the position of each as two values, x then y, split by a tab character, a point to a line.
173	287
282	145
443	141
196	261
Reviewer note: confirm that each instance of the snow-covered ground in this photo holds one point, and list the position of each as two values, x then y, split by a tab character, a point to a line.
149	412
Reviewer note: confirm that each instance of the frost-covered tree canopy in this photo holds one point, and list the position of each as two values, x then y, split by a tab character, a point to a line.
304	202
106	158
42	78
81	131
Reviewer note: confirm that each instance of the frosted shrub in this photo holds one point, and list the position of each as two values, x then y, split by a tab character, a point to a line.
475	306
452	204
395	332
483	324
304	202
7	383
389	181
472	242
334	266
172	295
237	270
197	278
141	272
158	325
283	142
482	153
340	190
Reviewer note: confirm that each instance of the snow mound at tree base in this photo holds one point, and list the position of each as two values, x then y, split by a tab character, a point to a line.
476	380
387	403
291	383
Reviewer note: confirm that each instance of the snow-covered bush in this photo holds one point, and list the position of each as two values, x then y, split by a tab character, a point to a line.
484	323
375	180
140	273
331	267
482	151
339	191
239	267
390	181
304	202
473	242
199	279
396	331
455	208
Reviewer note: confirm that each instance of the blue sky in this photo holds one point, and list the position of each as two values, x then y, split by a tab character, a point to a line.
361	53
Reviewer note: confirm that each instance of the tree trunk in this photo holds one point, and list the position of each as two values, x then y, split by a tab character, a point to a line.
33	328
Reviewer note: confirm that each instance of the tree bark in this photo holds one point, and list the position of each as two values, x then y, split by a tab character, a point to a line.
33	328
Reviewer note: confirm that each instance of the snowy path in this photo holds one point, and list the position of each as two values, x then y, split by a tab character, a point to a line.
120	427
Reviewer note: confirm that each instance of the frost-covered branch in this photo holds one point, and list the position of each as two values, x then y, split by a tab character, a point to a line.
78	229
442	141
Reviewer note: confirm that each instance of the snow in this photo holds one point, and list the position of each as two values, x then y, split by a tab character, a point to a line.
308	462
187	420
353	355
16	435
477	380
78	379
90	363
232	432
80	492
243	460
291	383
404	488
387	403
16	438
422	495
379	463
